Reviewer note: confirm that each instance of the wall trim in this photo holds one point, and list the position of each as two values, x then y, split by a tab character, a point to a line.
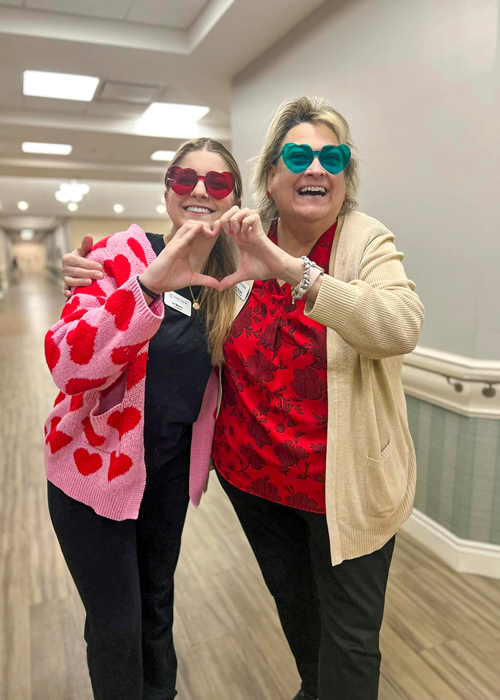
421	381
464	556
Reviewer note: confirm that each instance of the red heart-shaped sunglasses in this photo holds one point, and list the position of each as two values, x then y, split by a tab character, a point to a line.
183	181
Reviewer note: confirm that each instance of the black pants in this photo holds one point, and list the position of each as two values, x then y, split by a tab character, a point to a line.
331	615
124	572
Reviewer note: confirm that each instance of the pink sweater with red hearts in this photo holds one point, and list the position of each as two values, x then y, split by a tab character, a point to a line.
97	354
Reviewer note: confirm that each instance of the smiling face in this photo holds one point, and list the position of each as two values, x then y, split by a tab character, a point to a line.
198	205
314	195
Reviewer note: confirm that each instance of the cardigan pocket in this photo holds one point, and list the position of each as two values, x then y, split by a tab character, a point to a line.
385	484
106	427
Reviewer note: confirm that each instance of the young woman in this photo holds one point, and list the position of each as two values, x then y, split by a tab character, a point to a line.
132	355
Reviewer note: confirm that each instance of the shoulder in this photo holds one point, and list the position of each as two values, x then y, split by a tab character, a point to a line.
364	229
132	244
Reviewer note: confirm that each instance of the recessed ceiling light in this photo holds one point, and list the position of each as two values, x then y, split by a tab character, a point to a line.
162	119
73	206
60	149
27	234
118	208
161	208
163	155
60	86
23	205
71	192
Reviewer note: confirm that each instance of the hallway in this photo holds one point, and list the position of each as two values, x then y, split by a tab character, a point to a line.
441	636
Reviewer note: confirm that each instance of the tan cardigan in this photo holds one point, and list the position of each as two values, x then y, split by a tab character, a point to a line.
373	317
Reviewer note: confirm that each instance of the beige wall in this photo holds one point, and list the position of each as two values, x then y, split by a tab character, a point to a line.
100	228
419	83
30	256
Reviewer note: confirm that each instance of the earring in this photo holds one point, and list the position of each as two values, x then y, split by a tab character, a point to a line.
268	194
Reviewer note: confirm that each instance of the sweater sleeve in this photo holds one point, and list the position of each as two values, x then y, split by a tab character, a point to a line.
101	330
379	314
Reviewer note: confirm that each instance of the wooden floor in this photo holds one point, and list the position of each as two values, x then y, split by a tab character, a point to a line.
440	639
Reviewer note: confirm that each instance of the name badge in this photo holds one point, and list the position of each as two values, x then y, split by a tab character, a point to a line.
175	301
242	290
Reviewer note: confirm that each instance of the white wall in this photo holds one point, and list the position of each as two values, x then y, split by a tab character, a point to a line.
418	81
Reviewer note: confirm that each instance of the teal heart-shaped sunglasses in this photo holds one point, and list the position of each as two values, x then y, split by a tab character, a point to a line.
298	157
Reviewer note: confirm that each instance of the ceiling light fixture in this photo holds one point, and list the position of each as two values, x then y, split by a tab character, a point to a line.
23	205
59	149
59	86
164	119
27	234
118	208
161	208
163	155
73	206
71	192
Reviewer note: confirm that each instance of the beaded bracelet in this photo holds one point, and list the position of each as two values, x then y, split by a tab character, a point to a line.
303	287
153	295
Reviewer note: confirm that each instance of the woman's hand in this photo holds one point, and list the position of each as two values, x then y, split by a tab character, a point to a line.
261	259
77	270
172	268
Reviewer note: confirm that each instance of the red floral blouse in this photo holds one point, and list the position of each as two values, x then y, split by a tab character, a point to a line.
270	435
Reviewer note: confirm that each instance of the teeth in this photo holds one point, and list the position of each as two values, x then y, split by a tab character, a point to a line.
199	210
311	188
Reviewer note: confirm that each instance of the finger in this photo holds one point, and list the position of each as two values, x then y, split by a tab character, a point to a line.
77	282
248	222
66	292
85	245
186	228
205	281
225	218
231	280
81	273
75	260
240	215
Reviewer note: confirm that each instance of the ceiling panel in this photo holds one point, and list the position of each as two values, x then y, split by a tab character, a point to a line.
111	9
46	104
12	3
177	14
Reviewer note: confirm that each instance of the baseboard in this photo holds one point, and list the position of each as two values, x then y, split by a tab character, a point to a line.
465	556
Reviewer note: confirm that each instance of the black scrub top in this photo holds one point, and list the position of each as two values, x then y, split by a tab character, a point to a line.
177	373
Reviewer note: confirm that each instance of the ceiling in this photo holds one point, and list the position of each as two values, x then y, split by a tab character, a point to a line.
181	51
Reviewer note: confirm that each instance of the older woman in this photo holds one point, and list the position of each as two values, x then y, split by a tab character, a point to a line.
311	438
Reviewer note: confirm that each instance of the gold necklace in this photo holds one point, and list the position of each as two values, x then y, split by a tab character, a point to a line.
196	303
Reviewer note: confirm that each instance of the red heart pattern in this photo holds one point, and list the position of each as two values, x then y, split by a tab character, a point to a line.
80	385
122	355
76	402
124	421
56	439
121	304
82	339
119	268
52	352
137	249
60	397
137	370
94	289
119	464
102	243
70	306
87	462
94	439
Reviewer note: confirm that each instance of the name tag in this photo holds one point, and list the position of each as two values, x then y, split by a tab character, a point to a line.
242	290
175	301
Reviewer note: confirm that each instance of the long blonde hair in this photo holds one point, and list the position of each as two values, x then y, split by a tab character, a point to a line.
218	307
315	110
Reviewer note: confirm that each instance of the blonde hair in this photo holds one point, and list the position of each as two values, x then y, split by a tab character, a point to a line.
314	110
218	307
